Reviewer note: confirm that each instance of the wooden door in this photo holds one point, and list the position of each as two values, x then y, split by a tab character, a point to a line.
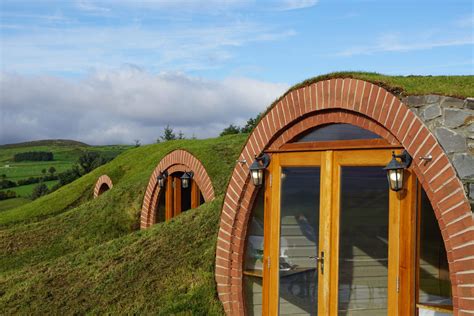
336	205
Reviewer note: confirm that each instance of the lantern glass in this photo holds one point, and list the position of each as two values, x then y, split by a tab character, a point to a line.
395	178
161	181
185	183
185	179
257	177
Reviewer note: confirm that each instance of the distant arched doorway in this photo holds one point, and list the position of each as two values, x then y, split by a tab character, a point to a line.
104	183
163	203
331	168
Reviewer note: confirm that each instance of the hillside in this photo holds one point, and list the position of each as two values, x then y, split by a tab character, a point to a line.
46	142
66	153
74	247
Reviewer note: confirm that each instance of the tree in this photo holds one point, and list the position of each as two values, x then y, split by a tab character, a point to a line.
89	161
251	123
230	130
52	170
181	135
4	176
43	171
137	143
39	190
168	134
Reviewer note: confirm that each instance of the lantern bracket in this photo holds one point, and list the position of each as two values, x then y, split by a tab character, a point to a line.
405	158
263	159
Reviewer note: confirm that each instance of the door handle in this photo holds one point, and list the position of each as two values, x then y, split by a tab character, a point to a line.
319	259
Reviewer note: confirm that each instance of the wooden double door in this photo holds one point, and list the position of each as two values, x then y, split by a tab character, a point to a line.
333	235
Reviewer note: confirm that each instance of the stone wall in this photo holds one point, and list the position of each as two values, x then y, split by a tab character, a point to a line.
451	120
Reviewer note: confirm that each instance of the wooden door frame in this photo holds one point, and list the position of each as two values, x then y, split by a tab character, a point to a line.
402	219
173	196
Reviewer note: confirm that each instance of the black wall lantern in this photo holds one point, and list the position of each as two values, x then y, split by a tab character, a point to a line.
258	167
161	179
186	179
395	170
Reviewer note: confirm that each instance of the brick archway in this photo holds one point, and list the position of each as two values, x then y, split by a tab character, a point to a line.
178	160
374	108
104	183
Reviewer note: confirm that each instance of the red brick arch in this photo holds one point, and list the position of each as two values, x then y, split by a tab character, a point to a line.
178	160
372	107
103	184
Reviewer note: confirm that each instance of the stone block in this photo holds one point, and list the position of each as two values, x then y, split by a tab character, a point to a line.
464	165
451	141
469	103
414	100
451	102
432	98
455	117
431	112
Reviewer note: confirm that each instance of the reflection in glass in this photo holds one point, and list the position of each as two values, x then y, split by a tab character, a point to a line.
161	207
333	132
299	238
433	275
253	263
363	241
186	198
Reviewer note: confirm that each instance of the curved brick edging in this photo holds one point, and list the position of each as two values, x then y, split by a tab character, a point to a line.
103	184
178	160
376	109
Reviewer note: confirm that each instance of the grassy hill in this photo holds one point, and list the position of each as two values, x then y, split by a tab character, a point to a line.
66	154
67	252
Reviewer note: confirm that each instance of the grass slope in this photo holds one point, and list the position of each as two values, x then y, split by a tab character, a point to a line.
69	253
165	270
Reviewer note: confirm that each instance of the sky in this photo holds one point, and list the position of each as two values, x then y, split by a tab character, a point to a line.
115	71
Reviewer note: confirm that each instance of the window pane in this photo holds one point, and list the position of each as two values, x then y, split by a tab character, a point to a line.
433	274
299	240
186	198
363	241
337	132
253	264
161	207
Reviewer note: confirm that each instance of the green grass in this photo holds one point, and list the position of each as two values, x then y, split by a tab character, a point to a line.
66	153
12	203
455	86
69	253
24	191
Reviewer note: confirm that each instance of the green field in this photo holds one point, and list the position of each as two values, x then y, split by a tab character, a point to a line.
66	154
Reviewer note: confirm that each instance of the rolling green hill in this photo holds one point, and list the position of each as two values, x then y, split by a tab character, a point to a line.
60	251
66	154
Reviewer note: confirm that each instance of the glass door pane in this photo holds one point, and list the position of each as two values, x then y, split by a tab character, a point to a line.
299	239
363	241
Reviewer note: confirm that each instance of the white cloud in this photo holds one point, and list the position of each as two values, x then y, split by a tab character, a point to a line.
123	105
296	4
394	42
78	49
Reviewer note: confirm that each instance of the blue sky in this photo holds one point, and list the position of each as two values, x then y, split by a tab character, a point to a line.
46	46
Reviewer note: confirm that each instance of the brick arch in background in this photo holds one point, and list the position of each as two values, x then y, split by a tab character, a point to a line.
372	107
178	160
103	184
